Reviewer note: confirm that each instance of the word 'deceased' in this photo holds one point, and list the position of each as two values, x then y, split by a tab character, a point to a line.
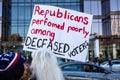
41	43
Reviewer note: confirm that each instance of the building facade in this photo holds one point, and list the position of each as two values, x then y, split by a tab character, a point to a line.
105	31
0	25
0	18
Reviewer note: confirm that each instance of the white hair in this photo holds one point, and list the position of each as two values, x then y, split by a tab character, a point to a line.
44	66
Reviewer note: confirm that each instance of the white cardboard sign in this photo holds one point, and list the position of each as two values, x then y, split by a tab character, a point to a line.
65	32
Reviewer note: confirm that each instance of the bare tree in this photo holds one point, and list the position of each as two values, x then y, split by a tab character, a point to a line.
15	37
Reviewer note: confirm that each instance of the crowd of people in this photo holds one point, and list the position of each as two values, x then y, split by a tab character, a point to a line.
43	66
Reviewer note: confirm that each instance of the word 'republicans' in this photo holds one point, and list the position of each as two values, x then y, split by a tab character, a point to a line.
61	14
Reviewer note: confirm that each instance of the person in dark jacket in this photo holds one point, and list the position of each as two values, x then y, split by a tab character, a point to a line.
110	64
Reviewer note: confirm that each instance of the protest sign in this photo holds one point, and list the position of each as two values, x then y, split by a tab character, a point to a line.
65	32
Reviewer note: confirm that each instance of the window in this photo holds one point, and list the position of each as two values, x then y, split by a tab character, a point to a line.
14	29
115	24
28	12
98	69
96	26
92	68
73	67
115	6
14	1
21	12
20	0
117	62
14	12
92	7
106	7
88	68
